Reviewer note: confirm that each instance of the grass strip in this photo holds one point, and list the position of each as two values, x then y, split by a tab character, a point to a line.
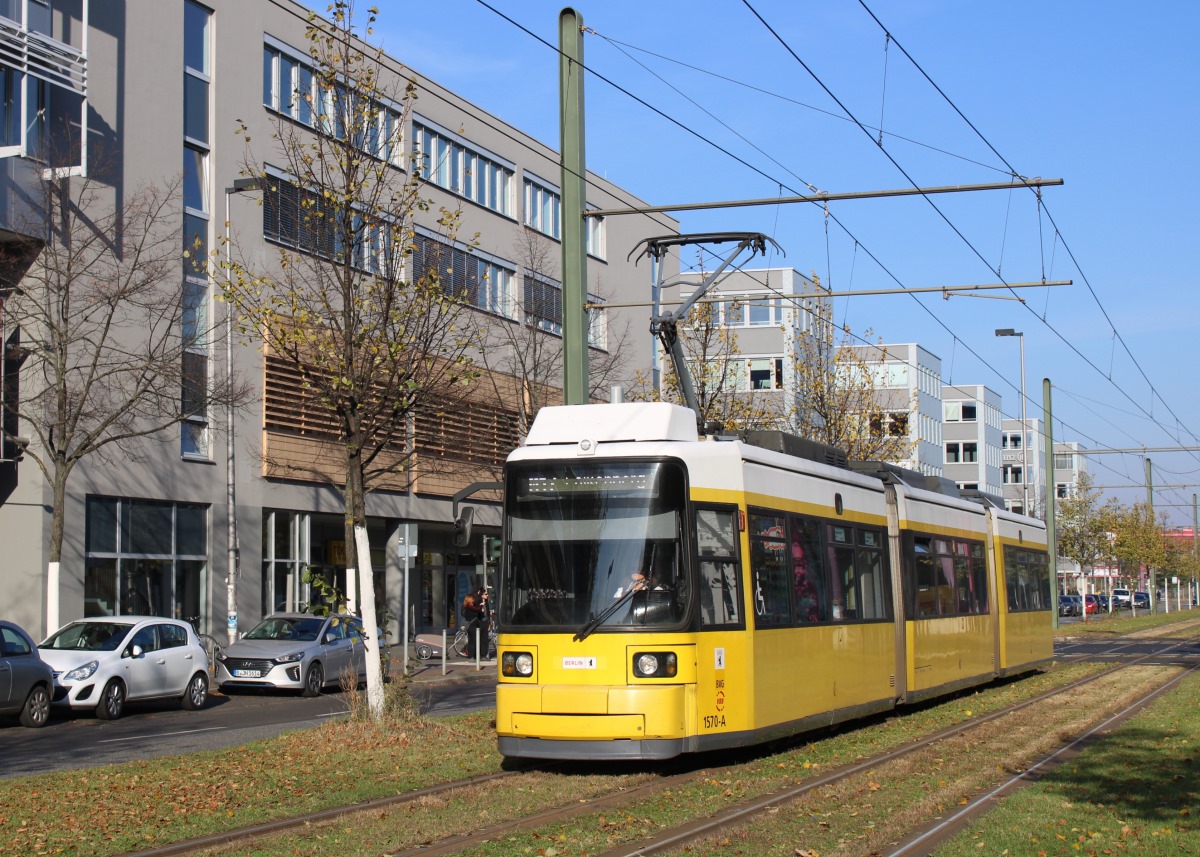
1136	791
592	832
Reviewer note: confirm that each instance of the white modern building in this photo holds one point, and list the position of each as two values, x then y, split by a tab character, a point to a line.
764	311
908	390
972	436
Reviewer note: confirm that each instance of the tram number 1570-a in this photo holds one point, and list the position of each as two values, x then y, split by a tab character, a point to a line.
714	721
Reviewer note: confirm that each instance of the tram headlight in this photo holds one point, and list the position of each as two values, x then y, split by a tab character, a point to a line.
655	664
517	664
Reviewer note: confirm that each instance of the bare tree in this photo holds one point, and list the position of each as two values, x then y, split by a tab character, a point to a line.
113	350
838	400
719	375
368	315
524	357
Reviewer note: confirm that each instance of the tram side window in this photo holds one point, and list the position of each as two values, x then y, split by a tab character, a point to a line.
856	565
971	579
945	577
809	584
841	566
1027	578
924	600
716	547
768	547
872	579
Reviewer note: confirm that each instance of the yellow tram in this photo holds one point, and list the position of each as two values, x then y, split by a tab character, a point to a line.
664	593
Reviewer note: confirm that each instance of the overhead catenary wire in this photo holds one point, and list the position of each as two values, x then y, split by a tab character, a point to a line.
955	338
1050	217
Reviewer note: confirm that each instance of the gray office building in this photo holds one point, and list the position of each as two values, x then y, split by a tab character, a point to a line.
157	90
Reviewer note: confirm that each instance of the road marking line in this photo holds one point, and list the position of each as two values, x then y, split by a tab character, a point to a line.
162	734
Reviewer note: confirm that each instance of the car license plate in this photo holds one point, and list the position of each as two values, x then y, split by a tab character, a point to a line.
247	673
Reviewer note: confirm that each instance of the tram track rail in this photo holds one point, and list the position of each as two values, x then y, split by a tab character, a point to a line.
666	839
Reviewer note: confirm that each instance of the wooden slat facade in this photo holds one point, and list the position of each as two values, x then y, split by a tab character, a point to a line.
466	441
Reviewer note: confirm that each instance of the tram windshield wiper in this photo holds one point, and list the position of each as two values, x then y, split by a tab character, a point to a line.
603	616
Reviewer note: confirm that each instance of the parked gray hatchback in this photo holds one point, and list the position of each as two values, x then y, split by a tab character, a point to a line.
26	681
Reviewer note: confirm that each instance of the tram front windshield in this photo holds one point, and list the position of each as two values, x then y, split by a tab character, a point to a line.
594	546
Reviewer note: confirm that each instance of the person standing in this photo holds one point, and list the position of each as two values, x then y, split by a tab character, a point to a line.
474	610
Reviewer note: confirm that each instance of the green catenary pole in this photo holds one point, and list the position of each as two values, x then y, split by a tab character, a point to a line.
574	194
1051	498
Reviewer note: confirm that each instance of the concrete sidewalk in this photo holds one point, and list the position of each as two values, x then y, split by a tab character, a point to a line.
455	668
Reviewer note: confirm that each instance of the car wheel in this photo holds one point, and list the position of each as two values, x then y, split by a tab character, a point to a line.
36	712
112	700
424	652
314	681
196	694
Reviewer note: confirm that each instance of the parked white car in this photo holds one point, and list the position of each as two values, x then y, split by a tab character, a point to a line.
105	661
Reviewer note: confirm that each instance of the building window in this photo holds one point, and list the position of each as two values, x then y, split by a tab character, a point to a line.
765	373
1013	475
291	89
1064	462
890	375
543	212
543	304
197	69
146	557
756	312
1011	440
285	555
478	281
962	453
542	298
595	239
543	209
960	412
461	169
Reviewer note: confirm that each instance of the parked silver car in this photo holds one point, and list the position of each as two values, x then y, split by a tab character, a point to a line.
295	651
105	661
26	681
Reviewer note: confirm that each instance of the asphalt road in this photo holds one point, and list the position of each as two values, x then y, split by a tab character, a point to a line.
78	740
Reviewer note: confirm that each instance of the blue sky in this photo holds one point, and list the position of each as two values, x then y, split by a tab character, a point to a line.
1102	95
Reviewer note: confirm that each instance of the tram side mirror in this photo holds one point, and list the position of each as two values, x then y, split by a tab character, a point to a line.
462	527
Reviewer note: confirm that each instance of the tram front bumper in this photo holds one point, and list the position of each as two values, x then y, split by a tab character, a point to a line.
566	712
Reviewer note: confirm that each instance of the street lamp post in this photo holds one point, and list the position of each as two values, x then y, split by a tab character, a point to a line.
1008	331
243	185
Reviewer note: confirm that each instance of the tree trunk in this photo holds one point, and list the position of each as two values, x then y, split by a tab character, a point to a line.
374	645
356	518
53	567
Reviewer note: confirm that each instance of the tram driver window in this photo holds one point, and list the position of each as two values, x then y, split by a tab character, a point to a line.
720	587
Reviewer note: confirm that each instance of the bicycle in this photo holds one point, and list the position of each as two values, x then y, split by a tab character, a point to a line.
461	639
209	643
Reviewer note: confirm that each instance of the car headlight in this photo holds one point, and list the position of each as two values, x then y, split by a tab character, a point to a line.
289	658
518	664
83	672
655	664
